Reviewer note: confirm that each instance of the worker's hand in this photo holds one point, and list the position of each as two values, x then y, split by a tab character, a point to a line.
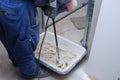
71	5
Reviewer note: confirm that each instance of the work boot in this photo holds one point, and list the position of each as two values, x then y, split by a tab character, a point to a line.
42	73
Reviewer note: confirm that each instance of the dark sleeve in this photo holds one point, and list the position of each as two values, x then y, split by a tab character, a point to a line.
63	1
40	3
62	5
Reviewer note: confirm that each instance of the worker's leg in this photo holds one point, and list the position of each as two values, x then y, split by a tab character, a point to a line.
10	52
20	36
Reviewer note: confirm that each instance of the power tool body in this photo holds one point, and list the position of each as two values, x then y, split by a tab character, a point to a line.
52	8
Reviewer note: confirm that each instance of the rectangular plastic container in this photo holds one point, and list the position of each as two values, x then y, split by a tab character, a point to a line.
68	45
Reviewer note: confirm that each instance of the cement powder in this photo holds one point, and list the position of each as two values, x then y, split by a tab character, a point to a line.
49	54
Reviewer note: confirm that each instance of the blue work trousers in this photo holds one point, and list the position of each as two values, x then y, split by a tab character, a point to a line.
19	33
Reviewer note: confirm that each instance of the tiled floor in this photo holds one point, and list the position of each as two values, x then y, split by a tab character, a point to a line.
66	29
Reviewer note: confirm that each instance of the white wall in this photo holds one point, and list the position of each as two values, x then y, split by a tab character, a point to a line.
104	59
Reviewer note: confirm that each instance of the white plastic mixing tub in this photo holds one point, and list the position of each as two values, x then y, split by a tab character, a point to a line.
67	45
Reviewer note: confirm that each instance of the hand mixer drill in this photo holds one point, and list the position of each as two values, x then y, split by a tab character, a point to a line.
52	9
